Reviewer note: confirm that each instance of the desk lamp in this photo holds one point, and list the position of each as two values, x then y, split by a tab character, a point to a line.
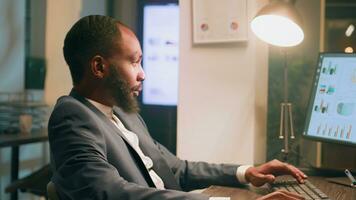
279	24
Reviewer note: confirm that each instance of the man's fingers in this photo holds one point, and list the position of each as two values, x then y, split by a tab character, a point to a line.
301	173
269	178
296	173
258	179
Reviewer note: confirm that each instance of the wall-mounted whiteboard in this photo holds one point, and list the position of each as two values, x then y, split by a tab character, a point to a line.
216	21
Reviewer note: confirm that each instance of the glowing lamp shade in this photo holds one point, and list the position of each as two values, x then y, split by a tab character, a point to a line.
278	24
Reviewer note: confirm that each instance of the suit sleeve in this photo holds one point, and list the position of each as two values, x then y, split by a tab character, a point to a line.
197	175
81	169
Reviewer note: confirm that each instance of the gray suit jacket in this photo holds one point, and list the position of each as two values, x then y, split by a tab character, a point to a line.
91	158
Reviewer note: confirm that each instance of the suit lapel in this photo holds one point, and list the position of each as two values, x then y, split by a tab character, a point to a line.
133	123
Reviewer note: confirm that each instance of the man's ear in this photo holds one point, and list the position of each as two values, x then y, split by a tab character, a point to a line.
98	66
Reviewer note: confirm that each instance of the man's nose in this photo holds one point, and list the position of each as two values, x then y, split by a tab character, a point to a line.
141	74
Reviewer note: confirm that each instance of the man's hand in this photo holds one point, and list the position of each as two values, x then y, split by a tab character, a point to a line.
281	195
267	173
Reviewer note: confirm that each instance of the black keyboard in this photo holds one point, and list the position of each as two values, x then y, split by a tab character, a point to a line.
307	190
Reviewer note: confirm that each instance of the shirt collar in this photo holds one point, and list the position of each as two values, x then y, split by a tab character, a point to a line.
106	110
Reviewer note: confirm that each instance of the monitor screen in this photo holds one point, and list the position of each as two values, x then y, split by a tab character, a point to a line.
160	54
332	107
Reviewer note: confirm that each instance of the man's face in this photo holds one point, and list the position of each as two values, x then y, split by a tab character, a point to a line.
126	73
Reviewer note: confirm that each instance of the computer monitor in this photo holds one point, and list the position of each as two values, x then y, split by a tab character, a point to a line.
160	43
331	114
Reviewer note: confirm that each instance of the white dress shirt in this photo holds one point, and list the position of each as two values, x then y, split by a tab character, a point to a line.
134	142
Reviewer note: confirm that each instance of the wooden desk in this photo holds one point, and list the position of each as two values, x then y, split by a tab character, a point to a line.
14	141
334	191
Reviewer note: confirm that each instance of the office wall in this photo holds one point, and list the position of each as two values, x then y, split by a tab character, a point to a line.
58	81
222	102
61	15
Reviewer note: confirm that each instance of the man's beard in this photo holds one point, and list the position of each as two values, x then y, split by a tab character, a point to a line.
121	91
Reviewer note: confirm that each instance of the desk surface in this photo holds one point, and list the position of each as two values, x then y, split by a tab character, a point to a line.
8	140
334	191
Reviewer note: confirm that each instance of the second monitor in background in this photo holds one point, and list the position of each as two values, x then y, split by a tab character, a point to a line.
332	108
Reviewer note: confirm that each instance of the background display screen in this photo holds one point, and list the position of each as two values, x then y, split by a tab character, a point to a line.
161	54
332	108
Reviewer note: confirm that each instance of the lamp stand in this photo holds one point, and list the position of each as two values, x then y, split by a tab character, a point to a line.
286	118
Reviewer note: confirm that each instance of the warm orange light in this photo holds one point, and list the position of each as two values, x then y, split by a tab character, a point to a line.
350	29
349	50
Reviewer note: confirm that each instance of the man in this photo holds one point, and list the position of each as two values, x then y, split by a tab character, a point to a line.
100	146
